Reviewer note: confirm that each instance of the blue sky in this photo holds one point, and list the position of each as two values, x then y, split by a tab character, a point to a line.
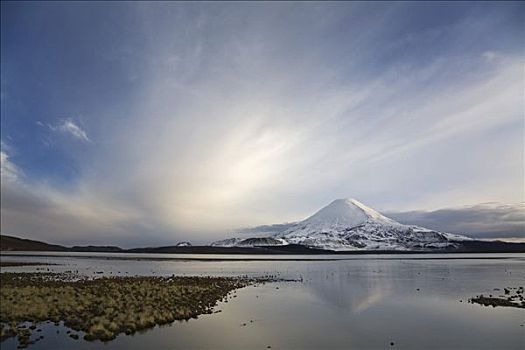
154	122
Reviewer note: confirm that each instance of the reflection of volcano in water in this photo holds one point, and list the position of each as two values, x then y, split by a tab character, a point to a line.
359	285
353	290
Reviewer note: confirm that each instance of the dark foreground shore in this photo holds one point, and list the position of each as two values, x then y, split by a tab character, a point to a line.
105	307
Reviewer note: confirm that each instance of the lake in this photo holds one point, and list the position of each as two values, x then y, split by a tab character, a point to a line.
338	302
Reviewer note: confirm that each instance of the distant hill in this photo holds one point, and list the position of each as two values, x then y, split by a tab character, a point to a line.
11	243
14	243
96	248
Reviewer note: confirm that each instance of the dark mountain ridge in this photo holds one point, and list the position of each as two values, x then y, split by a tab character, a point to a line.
12	244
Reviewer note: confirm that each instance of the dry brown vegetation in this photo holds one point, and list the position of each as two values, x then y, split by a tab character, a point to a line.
105	307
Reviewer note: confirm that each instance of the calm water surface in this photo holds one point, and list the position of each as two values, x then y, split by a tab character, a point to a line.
354	302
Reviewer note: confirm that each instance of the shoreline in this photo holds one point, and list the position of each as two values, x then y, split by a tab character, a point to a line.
329	257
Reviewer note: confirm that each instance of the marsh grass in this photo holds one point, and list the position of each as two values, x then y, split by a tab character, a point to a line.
104	307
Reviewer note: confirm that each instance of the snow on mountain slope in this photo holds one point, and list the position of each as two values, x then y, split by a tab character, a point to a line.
340	214
347	224
262	231
228	242
249	242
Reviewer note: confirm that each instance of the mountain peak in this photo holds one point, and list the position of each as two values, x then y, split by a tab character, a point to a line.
347	212
352	202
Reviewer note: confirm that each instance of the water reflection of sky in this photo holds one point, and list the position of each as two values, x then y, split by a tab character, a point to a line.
359	303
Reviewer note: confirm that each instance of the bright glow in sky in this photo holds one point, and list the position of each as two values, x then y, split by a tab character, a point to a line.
132	123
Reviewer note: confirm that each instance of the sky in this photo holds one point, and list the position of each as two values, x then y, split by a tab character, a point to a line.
150	123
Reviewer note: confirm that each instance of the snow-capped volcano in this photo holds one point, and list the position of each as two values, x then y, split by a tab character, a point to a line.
347	224
344	213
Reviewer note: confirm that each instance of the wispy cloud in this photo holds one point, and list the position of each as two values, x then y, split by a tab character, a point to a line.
78	216
68	126
9	171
